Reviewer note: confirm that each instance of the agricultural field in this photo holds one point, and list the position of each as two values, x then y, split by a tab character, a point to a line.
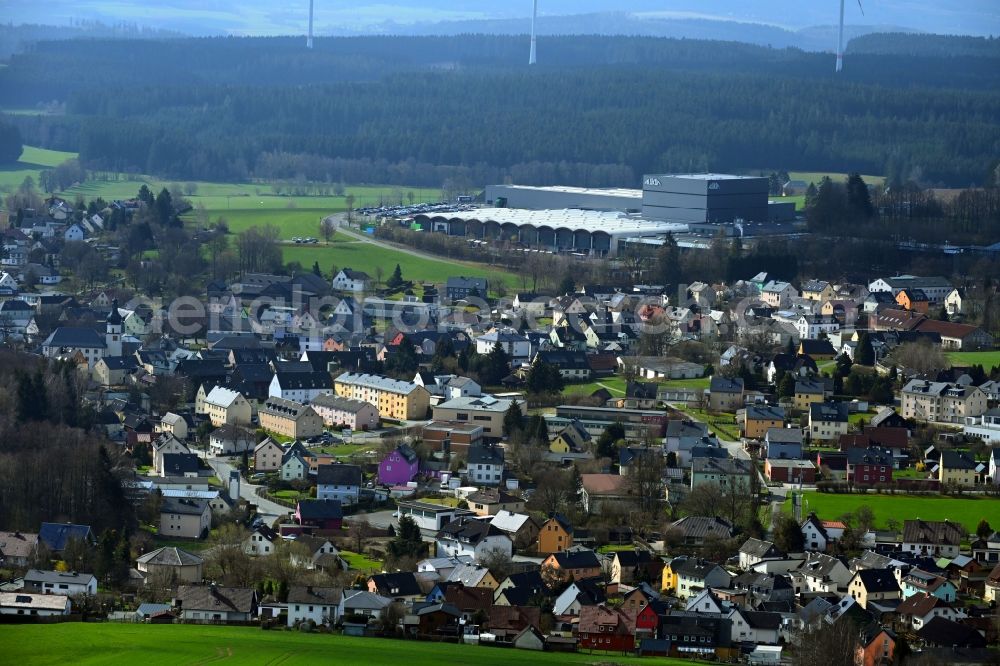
987	359
151	645
968	511
33	160
816	176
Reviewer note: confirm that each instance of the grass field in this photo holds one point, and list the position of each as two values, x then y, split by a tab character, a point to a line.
616	385
360	562
968	511
75	643
32	161
987	359
816	176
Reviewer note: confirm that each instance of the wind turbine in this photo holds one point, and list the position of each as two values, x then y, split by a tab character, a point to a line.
840	35
309	38
534	17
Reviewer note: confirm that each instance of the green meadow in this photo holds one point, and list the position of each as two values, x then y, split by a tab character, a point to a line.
968	511
152	645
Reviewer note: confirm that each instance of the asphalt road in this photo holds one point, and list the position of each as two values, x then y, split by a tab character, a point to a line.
266	509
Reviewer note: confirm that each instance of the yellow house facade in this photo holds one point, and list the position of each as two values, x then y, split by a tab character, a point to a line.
396	400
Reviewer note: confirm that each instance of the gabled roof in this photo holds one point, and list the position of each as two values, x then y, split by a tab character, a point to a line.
339	475
700	527
56	535
170	556
211	597
576	559
467	530
325	509
941	532
320	596
759	548
877	580
401	584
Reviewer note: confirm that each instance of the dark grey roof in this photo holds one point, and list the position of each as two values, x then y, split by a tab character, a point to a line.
75	337
179	464
320	509
72	578
56	535
170	556
321	596
485	455
759	548
878	580
211	597
828	411
339	475
726	385
304	380
183	505
699	527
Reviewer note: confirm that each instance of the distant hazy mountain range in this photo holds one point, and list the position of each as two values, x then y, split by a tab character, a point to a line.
776	22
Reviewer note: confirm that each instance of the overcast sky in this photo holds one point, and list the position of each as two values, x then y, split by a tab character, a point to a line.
979	17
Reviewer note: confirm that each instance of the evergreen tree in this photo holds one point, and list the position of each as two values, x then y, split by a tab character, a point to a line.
404	362
942	314
495	366
607	443
396	279
11	143
668	262
786	387
544	378
865	353
983	529
164	208
513	419
568	284
859	201
146	195
316	271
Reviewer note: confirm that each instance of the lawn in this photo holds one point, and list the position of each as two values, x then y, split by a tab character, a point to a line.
111	643
360	562
968	511
987	359
616	385
816	176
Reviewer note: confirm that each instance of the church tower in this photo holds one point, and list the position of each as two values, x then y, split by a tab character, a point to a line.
113	337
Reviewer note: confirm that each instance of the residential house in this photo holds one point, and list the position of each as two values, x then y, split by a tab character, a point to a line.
731	473
821	573
290	419
401	586
230	440
957	337
299	386
778	294
224	406
810	390
874	585
694	575
397	400
475	538
452	437
212	603
262	541
399	467
783	443
572	438
490	501
600	492
695	530
819	535
573	564
185	518
953	302
267	456
605	628
340	412
339	482
759	419
828	420
957	468
364	603
518	347
755	627
815	326
877	646
457	288
17	549
522	529
326	514
753	551
916	610
60	582
485	465
171	563
817	290
631	566
937	538
555	535
351	280
941	401
320	605
725	394
55	536
918	581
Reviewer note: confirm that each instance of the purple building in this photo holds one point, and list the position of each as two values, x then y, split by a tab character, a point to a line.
399	467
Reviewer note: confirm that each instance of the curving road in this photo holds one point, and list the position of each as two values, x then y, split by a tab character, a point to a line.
266	509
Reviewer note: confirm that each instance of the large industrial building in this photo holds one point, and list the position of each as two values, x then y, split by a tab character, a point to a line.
601	221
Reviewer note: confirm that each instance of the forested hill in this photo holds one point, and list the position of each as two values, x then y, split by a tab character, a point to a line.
909	44
610	108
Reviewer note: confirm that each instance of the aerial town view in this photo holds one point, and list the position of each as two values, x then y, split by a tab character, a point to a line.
437	332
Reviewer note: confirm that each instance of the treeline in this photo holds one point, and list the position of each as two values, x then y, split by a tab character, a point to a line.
912	44
527	123
53	466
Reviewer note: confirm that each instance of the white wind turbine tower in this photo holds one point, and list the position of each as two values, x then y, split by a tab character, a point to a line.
534	17
840	35
309	38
